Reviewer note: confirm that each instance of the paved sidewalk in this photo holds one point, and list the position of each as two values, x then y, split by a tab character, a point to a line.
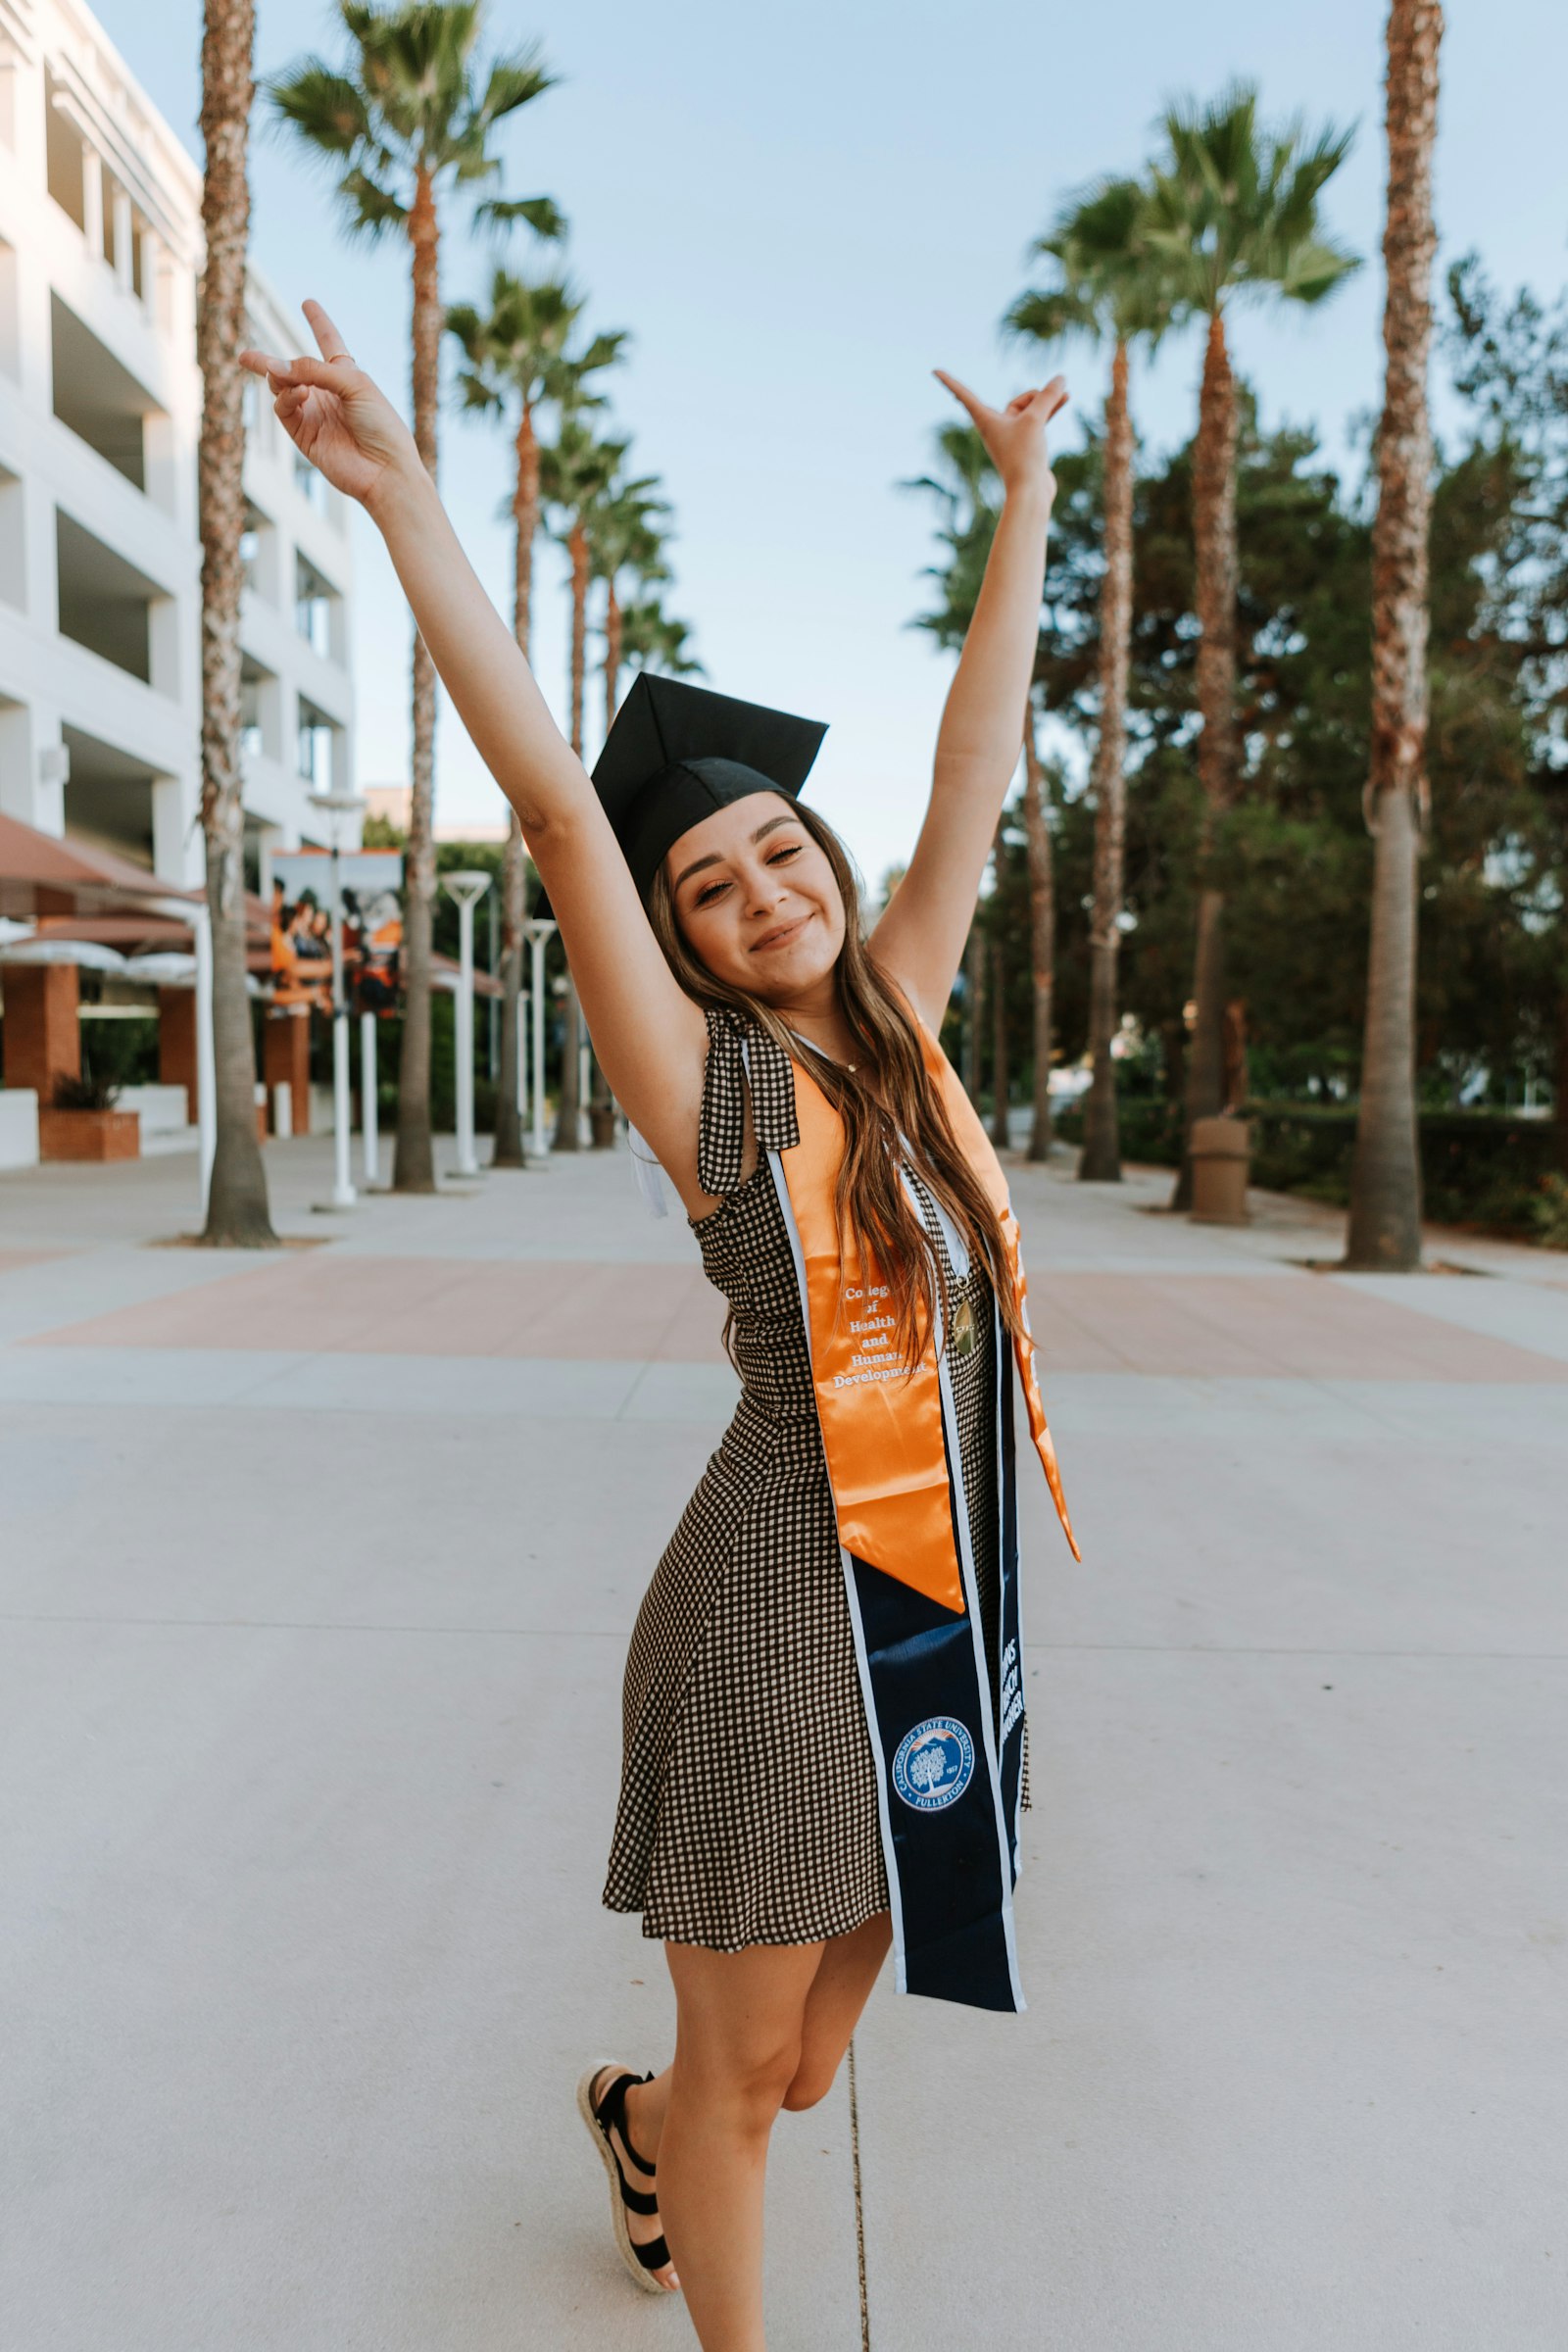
316	1577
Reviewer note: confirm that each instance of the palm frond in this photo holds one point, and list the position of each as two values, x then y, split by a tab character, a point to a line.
1233	206
370	208
324	107
499	214
515	81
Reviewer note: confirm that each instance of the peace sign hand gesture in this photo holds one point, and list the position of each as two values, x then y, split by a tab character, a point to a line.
1014	437
334	414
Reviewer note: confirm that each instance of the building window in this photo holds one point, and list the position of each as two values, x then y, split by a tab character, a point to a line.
315	747
251	740
314	598
113	222
307	482
64	158
105	603
256	555
97	396
259	710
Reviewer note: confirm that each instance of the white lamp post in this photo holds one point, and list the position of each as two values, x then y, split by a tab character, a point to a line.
467	889
370	1108
523	1062
536	933
335	805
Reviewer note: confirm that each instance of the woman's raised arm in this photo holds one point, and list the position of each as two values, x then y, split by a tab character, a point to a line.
920	939
650	1037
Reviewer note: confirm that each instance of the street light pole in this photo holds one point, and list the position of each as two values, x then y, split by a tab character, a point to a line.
536	933
335	805
370	1108
467	889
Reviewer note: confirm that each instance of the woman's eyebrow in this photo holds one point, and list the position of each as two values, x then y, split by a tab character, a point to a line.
713	859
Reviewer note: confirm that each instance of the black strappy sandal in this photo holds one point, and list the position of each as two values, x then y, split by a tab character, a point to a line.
609	2115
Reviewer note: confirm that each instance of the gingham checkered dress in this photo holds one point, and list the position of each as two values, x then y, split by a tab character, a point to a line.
748	1806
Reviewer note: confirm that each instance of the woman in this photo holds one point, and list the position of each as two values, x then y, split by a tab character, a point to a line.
823	1710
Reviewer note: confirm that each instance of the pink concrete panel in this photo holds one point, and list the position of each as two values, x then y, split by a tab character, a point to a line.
1202	1326
430	1306
1295	1326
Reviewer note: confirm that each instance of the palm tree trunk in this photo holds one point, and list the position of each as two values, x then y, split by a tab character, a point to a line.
237	1213
1214	547
568	1120
525	522
1000	1081
509	1149
1041	934
567	1138
974	973
1384	1231
413	1161
611	656
577	545
1099	1162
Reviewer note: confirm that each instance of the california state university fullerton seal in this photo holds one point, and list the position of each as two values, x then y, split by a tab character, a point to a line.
933	1764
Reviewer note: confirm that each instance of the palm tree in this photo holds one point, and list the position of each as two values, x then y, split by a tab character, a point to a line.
237	1213
1233	212
1107	288
575	470
1385	1222
652	639
415	114
624	536
513	355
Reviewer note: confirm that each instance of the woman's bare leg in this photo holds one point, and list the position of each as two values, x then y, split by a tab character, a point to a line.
739	2020
848	1970
820	1993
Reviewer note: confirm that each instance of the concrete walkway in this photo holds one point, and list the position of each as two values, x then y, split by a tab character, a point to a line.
316	1577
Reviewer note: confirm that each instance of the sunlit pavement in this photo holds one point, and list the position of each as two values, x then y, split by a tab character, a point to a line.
318	1574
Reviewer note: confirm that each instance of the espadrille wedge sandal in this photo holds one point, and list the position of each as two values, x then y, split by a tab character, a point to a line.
604	2116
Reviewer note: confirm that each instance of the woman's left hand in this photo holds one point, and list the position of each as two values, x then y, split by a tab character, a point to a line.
1014	437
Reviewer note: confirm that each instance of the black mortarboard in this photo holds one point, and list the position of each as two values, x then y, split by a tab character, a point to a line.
676	752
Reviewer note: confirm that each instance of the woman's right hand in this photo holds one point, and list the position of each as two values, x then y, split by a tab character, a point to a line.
335	415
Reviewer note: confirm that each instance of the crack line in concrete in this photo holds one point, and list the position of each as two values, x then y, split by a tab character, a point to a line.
859	2209
615	1633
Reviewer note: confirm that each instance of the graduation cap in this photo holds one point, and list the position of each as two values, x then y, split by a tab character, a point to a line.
676	752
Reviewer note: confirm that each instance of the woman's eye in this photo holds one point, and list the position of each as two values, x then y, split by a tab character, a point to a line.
711	892
788	848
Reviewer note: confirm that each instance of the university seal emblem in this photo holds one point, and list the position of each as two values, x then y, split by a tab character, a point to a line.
934	1765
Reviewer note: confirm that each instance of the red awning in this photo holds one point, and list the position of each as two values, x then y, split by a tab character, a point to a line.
41	874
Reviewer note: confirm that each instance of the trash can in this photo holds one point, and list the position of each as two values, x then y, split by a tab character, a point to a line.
1221	1149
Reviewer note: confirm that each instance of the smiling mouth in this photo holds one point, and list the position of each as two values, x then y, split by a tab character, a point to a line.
781	936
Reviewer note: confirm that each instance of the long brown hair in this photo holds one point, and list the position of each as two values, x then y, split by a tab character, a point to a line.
890	1095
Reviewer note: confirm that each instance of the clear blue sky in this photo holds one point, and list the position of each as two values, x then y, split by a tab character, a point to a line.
799	213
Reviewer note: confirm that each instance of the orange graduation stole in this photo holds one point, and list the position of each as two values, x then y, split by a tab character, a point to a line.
882	1426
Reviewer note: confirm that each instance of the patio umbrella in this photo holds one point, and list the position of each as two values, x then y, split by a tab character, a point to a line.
90	954
163	968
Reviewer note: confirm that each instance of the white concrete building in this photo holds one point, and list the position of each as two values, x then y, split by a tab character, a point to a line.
100	406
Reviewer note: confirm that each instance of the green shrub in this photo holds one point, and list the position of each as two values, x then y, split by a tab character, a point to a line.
1477	1167
1550	1211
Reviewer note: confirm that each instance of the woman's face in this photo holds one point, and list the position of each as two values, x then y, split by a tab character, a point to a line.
756	899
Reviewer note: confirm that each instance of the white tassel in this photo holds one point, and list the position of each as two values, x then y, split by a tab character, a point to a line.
648	1174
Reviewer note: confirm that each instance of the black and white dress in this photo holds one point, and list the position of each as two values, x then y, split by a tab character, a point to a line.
748	1806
